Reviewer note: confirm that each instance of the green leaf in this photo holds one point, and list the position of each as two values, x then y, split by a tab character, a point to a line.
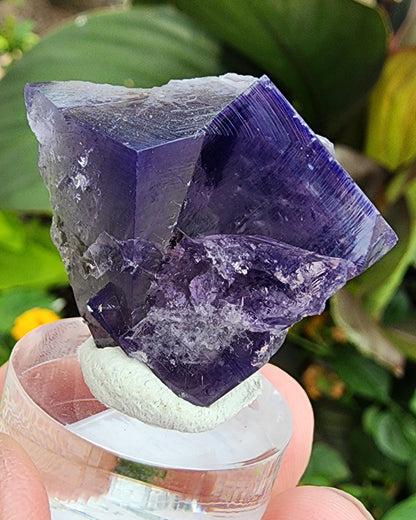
371	418
405	510
324	55
379	283
138	47
412	403
407	424
364	332
36	264
377	499
394	437
411	475
403	340
4	352
399	309
326	466
362	376
391	132
15	302
11	233
369	464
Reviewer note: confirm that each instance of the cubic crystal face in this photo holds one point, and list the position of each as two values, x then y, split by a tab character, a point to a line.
197	221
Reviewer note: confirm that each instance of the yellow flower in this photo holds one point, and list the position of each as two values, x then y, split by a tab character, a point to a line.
30	320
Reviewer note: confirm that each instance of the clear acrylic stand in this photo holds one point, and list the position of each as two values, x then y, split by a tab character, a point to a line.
98	464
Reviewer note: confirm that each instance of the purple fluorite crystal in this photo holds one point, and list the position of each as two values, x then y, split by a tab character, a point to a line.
197	221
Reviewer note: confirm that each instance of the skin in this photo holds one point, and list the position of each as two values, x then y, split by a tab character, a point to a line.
23	496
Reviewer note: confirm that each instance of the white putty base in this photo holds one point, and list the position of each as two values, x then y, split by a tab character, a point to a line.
129	386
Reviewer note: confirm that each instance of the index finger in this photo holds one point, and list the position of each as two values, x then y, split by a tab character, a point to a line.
299	448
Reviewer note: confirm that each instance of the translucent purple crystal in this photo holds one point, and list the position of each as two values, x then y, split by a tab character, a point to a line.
197	221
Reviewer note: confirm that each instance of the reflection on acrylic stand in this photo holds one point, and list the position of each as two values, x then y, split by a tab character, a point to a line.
100	464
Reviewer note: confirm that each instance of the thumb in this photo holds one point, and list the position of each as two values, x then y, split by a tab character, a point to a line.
309	503
22	494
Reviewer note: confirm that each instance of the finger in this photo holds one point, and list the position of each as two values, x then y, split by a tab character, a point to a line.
307	502
298	451
21	490
2	375
67	402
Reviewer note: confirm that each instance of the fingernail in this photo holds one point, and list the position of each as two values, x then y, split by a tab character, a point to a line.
356	503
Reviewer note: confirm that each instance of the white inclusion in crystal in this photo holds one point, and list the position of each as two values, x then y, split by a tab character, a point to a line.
238	260
80	181
300	278
195	334
262	356
83	160
240	267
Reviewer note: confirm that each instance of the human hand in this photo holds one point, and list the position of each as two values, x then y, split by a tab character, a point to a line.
23	496
22	493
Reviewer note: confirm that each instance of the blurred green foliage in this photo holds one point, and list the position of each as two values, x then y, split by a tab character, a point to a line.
16	36
349	67
365	421
27	256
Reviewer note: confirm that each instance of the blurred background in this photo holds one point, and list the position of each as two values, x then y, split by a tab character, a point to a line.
349	68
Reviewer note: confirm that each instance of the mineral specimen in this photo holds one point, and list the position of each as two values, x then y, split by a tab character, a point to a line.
197	221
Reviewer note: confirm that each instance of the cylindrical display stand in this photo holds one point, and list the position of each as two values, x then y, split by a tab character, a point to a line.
100	464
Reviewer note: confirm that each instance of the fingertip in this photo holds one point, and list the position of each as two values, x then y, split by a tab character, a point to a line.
307	502
299	448
21	490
